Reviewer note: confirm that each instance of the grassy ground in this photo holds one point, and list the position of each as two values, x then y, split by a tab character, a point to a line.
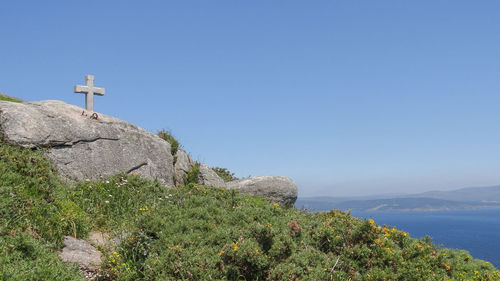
199	233
4	98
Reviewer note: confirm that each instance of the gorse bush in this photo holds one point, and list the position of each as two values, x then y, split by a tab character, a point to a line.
224	174
195	232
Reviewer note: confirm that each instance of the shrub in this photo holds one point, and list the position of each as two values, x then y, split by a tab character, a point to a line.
191	177
224	174
174	144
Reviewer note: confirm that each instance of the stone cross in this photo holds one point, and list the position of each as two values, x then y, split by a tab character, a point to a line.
89	92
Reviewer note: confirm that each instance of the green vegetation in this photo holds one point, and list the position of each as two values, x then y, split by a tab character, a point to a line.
191	177
224	174
4	98
34	215
198	233
174	144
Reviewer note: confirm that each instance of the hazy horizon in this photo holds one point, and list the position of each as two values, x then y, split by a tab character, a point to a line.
364	192
345	98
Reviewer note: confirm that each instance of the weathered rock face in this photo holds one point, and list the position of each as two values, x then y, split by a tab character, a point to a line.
209	177
182	165
275	188
84	148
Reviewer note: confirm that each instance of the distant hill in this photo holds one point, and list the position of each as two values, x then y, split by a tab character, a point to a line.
460	199
477	194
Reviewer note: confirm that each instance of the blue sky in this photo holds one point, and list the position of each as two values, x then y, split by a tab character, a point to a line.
345	97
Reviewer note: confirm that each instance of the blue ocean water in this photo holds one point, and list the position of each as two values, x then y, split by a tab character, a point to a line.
477	231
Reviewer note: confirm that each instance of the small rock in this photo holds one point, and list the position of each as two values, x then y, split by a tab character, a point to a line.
80	252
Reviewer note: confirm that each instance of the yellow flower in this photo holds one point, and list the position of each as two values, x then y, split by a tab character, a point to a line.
275	204
221	253
235	248
372	222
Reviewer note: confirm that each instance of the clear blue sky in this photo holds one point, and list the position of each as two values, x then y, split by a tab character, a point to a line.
344	97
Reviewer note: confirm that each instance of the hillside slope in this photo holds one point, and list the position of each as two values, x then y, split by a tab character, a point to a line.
199	233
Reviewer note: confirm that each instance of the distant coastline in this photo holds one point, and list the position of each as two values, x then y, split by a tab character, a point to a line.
474	198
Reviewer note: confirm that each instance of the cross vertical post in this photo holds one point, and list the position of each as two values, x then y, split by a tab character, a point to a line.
89	90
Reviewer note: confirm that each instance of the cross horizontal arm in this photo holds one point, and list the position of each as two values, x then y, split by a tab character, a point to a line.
81	89
99	91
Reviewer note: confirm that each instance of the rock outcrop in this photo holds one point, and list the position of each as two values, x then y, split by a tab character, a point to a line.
85	147
209	177
82	146
182	165
275	188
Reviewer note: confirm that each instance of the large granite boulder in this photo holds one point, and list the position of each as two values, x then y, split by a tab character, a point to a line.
278	189
275	188
83	146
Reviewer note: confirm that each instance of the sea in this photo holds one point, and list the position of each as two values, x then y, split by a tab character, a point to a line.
477	231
